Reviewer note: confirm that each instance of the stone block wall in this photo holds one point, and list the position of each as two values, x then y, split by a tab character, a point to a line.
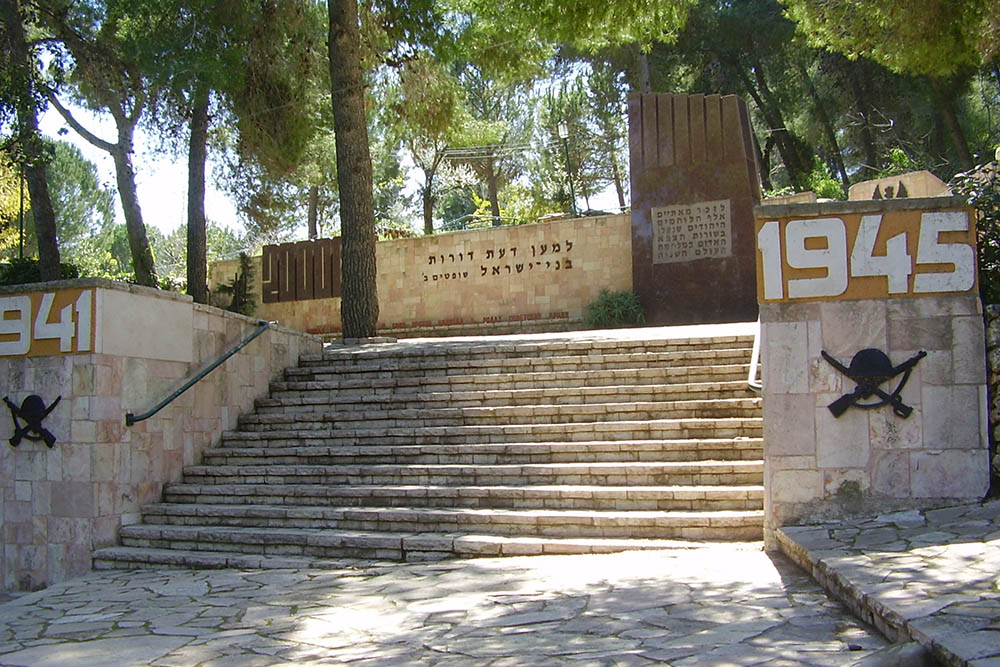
896	276
60	504
819	467
525	277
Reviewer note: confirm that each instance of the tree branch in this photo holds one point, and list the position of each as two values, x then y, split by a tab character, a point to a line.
77	127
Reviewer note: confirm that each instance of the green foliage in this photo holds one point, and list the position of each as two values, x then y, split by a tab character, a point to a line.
897	162
823	183
614	310
938	38
240	298
22	271
981	187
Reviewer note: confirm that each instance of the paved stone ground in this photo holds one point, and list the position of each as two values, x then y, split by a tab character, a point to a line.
932	576
715	605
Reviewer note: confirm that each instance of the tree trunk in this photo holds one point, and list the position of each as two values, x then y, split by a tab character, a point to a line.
872	163
788	145
491	187
427	198
359	303
313	213
764	162
616	174
142	254
944	104
30	140
197	251
645	85
824	120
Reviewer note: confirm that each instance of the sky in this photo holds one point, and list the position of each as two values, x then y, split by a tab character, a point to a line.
161	180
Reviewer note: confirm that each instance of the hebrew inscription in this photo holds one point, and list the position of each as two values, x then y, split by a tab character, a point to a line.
686	232
495	261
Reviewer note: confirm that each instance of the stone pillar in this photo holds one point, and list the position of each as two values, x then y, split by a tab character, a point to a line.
899	277
694	184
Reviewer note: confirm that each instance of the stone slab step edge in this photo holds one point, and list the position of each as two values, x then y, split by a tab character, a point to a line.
508	397
341	542
677	498
651	429
456	364
424	349
430	548
540	452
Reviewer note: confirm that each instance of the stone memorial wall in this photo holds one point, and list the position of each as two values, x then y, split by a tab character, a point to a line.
873	359
694	185
520	278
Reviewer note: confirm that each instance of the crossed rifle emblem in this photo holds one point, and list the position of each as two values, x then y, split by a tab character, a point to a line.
869	369
32	412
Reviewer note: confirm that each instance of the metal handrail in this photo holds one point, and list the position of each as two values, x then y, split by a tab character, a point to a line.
752	381
130	419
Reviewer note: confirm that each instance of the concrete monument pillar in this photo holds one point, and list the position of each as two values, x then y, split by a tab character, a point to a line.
694	185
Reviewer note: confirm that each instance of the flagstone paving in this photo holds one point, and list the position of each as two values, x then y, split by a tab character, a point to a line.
721	604
932	576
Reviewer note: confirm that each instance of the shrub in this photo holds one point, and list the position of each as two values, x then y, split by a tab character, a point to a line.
22	271
981	187
614	310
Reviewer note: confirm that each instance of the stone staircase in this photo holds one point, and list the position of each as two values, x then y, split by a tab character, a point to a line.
585	443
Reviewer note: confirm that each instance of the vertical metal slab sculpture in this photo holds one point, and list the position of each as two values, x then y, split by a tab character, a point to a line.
694	184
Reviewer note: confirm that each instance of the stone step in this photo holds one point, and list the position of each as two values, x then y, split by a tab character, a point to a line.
388	382
353	399
311	417
458	349
533	522
643	473
415	548
563	496
332	542
660	429
456	365
532	452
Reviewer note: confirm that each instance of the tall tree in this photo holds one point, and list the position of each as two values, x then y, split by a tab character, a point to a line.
105	78
939	39
359	303
22	94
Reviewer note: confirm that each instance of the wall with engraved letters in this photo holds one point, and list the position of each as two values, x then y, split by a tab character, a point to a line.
542	274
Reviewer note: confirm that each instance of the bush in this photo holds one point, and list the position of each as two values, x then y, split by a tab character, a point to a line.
981	187
27	270
614	310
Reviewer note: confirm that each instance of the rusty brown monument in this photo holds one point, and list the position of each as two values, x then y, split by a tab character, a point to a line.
694	183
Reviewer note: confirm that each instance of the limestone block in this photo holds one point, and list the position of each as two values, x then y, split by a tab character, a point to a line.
849	326
842	442
890	473
950	417
969	361
789	426
785	356
937	368
887	430
924	333
950	473
795	486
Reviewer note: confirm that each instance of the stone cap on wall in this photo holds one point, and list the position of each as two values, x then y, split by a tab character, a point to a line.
866	206
102	283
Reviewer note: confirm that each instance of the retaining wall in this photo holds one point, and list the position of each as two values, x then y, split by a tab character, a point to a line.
138	344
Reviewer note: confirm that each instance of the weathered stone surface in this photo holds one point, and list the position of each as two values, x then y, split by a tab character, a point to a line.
711	604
